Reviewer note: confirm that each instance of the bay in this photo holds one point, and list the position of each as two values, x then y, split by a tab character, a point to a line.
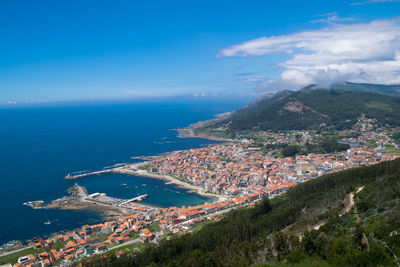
40	144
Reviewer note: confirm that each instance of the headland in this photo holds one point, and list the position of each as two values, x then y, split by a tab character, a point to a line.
111	207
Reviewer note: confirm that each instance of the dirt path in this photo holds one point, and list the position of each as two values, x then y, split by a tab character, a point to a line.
349	203
318	225
358	220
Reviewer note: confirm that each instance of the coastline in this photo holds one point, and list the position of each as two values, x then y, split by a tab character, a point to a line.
79	200
139	147
169	179
189	133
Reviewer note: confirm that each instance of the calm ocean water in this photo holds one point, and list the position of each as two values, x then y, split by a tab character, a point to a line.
40	145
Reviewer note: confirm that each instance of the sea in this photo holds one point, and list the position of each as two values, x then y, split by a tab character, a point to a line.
40	144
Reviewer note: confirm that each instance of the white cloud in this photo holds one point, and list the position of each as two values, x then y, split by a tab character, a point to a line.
330	18
363	52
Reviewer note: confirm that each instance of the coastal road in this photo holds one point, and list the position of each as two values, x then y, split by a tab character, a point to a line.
126	243
223	211
14	251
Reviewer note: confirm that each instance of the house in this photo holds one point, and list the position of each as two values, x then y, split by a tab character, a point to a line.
101	247
26	259
144	232
92	240
121	239
148	238
89	249
69	257
79	253
119	253
46	263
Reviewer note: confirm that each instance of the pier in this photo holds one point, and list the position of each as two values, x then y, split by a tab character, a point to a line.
139	198
103	199
79	174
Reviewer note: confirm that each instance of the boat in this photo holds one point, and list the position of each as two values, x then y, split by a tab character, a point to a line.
123	184
47	222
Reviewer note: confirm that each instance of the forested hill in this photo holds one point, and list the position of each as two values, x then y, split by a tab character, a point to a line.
281	231
310	108
390	90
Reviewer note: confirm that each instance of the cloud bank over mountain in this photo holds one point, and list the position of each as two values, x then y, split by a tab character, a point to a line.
359	52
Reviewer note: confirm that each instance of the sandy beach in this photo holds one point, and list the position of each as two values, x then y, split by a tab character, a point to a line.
129	169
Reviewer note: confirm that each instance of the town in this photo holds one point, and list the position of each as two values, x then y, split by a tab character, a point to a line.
239	172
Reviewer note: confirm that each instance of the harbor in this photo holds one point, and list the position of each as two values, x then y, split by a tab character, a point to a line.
112	207
102	198
139	169
79	174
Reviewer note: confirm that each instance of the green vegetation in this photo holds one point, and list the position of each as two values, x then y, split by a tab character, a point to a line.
59	245
154	227
268	234
126	249
308	109
326	145
290	150
392	151
13	258
379	105
103	237
390	90
323	146
135	235
396	135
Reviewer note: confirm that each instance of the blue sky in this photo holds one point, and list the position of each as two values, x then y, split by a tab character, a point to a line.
92	50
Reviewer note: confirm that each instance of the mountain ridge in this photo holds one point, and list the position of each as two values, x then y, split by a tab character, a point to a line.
309	108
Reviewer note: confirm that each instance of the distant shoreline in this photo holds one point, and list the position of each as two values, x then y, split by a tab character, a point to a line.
189	133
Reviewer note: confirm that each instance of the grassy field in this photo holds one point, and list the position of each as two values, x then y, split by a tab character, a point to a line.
128	248
154	227
13	258
392	151
198	226
59	245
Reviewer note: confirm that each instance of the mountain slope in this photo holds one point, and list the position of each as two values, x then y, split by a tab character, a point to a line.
309	109
390	90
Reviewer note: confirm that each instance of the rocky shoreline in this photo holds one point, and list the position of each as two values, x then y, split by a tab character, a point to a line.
74	203
77	201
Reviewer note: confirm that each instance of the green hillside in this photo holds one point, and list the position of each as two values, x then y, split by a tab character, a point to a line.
310	109
281	231
390	90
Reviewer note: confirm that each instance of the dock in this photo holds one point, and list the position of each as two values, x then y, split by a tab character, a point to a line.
79	174
139	198
103	199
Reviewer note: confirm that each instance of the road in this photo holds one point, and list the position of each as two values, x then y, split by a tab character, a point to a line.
126	243
14	251
223	211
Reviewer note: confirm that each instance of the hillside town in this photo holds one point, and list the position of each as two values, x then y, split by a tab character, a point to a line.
237	171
